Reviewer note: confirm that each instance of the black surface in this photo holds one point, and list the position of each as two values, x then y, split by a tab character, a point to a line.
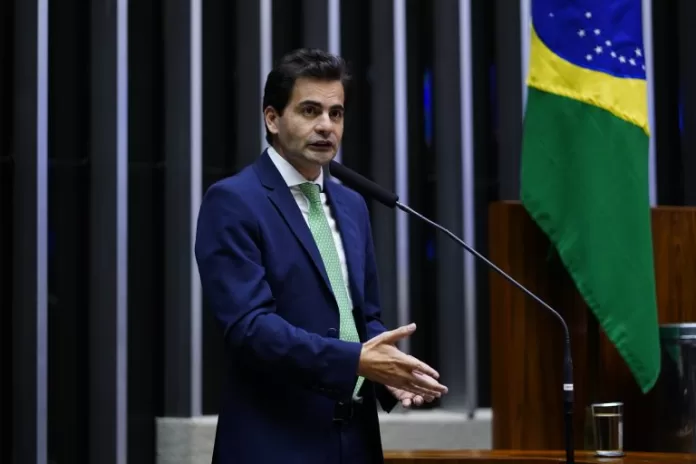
107	279
29	221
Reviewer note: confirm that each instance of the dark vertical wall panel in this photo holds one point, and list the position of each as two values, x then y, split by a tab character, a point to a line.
248	88
485	153
183	191
30	221
450	307
220	112
146	229
288	26
68	184
687	85
220	82
422	182
315	15
508	76
382	149
669	169
109	234
356	151
6	199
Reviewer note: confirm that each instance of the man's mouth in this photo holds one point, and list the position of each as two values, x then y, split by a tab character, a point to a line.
323	144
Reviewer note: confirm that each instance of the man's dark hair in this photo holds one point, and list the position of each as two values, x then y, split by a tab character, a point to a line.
303	62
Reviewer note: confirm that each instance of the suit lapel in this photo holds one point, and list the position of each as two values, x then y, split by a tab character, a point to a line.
285	203
350	236
281	196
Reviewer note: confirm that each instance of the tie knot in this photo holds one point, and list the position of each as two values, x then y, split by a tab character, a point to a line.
311	191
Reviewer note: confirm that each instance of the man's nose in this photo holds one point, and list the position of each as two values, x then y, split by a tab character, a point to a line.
324	123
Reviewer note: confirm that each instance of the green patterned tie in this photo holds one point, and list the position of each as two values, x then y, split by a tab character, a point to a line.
319	225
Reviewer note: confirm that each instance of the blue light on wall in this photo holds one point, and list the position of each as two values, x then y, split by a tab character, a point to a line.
681	113
430	250
428	135
493	96
51	245
428	107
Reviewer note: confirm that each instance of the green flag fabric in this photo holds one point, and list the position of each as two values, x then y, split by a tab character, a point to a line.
585	164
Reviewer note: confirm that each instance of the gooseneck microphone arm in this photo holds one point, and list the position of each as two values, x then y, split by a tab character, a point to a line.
567	359
369	188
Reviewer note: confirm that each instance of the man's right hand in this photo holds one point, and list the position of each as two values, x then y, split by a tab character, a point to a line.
382	362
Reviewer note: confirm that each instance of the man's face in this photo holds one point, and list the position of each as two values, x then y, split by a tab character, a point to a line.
311	128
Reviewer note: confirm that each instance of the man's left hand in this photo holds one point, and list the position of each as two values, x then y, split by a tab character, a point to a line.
408	399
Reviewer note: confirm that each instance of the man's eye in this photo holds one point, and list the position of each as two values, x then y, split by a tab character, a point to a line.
308	111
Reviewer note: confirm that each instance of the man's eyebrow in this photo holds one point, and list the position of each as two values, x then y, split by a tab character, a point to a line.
309	103
316	103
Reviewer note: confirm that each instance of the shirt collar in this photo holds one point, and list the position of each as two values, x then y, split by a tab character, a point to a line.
291	176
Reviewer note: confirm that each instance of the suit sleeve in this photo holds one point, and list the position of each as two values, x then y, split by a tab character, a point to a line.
233	281
373	313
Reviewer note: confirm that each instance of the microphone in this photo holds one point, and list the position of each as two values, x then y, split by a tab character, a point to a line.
370	189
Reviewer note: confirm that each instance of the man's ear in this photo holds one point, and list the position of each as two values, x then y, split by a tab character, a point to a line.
271	116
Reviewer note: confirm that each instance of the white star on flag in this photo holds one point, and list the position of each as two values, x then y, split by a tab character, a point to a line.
628	54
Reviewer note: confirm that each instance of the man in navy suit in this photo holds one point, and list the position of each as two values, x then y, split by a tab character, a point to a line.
287	263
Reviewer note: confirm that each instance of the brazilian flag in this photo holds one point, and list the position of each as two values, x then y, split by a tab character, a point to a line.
585	164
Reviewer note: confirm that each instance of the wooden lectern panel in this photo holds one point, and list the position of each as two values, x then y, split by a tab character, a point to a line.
527	457
527	341
674	243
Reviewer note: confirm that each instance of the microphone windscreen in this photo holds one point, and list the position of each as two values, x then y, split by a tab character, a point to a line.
362	184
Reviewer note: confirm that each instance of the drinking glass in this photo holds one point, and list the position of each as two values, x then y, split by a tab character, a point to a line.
607	427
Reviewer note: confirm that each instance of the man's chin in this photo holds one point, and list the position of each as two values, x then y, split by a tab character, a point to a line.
321	157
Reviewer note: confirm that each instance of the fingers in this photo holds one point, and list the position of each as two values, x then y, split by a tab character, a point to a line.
417	390
416	400
423	398
408	398
422	391
420	366
420	378
395	335
420	385
429	385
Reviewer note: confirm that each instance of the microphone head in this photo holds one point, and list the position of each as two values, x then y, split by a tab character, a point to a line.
363	185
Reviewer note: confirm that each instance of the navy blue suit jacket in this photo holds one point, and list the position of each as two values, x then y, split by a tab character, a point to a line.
264	279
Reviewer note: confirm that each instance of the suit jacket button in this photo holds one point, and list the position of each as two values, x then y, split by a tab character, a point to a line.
332	333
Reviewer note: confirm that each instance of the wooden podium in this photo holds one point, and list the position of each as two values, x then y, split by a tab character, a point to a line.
527	457
527	341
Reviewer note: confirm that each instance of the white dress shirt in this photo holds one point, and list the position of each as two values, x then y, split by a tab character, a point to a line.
293	178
